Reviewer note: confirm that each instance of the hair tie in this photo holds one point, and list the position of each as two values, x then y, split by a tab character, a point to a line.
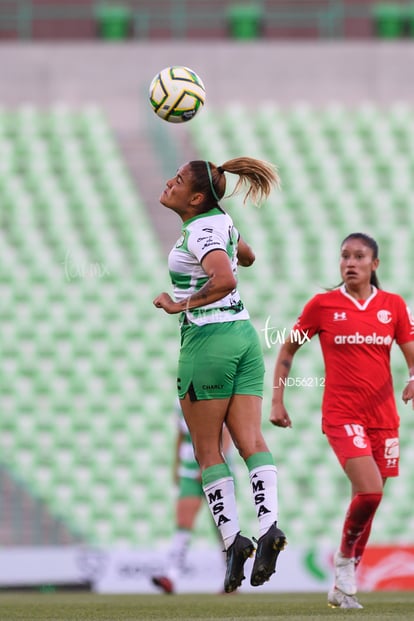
220	169
210	178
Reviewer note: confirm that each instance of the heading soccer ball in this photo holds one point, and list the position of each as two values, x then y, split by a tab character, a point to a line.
176	94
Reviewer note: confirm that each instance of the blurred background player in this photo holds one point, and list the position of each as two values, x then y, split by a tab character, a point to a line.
356	324
187	477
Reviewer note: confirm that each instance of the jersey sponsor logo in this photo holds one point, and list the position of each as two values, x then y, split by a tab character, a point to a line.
209	243
360	339
340	316
384	316
392	448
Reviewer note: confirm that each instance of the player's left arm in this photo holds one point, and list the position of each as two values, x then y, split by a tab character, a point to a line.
245	254
408	351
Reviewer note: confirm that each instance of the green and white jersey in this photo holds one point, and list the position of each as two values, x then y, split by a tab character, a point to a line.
209	231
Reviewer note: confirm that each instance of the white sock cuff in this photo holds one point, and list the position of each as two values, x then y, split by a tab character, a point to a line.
259	469
209	486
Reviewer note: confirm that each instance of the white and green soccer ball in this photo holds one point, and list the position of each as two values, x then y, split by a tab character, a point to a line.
176	94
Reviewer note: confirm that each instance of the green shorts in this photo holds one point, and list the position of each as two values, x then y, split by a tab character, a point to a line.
219	360
188	488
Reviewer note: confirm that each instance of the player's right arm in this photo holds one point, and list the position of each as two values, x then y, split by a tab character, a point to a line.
278	414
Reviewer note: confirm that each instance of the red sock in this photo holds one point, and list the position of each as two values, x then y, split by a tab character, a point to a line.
360	512
362	542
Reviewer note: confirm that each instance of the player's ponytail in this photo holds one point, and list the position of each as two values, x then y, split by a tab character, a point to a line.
259	177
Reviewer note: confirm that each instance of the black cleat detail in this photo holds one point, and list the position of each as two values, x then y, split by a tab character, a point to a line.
236	556
268	548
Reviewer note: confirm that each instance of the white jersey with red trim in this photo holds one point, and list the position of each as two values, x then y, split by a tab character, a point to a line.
356	339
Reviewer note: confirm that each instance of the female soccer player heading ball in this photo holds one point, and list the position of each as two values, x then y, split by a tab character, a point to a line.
221	367
356	324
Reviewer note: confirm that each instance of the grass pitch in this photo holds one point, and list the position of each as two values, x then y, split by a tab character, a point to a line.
384	606
380	606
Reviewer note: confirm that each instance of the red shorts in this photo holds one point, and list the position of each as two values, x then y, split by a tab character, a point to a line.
354	440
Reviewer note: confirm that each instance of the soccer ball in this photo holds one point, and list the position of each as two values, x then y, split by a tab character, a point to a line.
176	94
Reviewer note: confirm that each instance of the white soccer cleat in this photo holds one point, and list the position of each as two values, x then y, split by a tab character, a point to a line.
337	599
345	574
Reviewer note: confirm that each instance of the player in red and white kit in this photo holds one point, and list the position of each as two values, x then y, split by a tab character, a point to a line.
356	324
